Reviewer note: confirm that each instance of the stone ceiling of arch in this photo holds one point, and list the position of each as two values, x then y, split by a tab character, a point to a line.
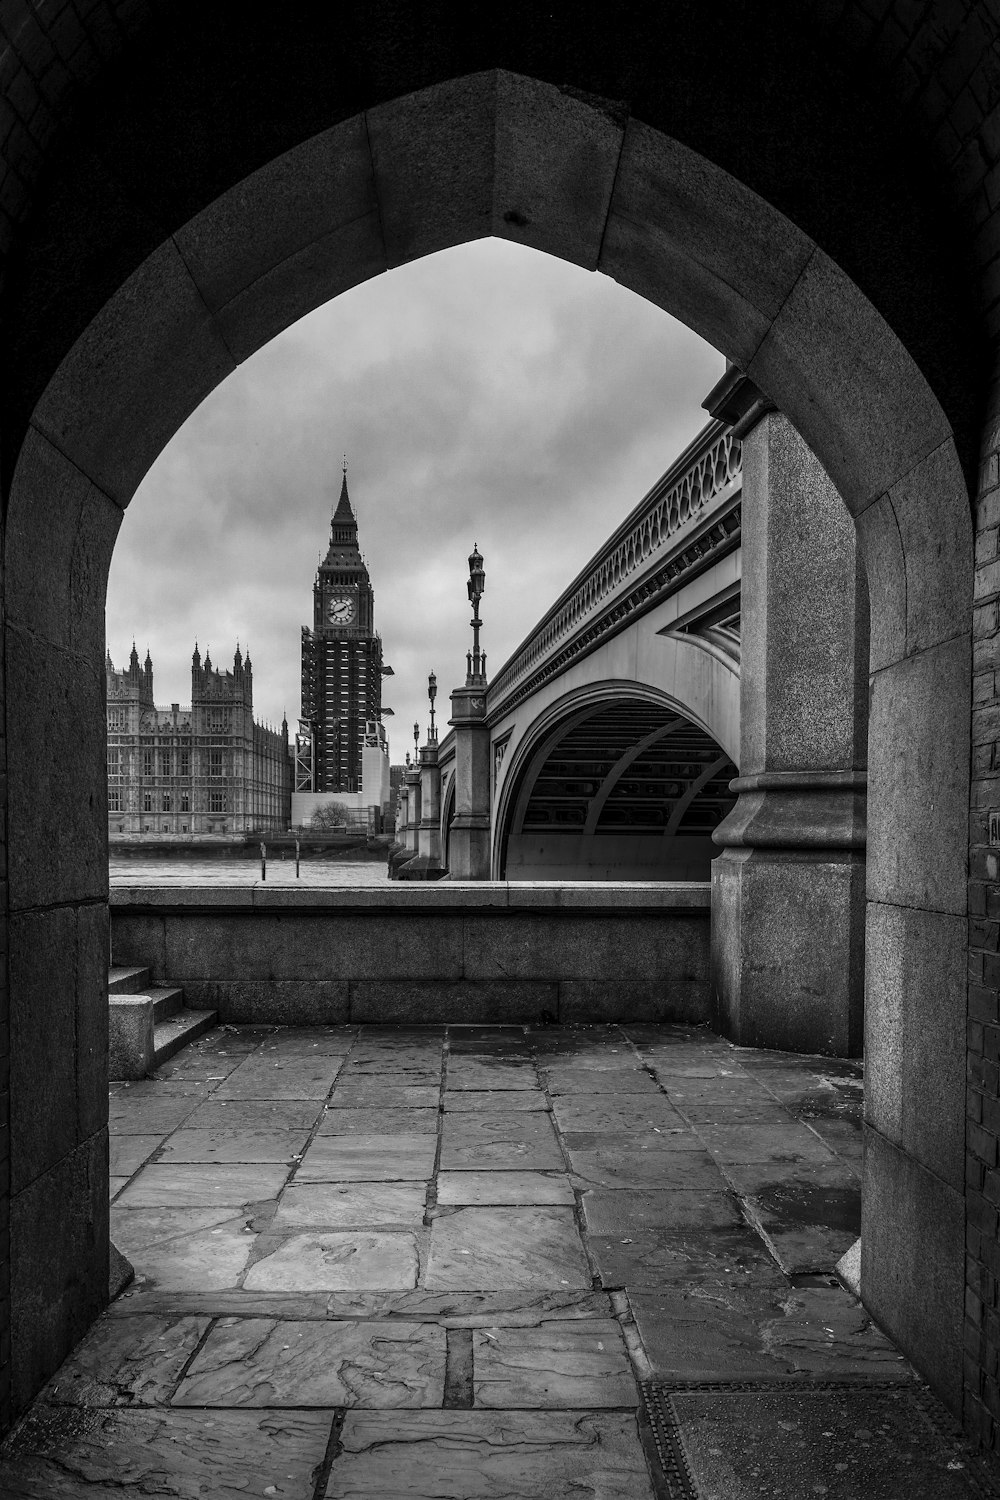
218	103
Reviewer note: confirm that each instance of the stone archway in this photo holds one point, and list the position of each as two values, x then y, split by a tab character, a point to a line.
493	152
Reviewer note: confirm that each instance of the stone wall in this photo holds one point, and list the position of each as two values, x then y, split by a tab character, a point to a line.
416	955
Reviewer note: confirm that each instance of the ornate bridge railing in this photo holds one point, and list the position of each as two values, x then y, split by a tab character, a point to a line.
688	520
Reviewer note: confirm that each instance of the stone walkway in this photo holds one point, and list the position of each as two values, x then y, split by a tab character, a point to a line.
436	1262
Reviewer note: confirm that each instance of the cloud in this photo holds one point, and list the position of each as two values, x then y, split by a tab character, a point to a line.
487	394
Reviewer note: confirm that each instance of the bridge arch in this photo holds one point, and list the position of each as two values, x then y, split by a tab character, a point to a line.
184	290
628	767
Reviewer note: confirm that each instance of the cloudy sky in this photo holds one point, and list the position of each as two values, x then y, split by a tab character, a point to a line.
487	394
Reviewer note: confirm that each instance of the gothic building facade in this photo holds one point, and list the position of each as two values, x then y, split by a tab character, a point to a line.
341	669
207	768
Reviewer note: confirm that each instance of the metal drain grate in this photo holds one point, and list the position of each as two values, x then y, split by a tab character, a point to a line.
792	1439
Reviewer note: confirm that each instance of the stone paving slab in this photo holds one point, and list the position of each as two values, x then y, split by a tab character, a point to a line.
508	1141
470	1101
137	1362
64	1453
477	1188
183	1247
296	1079
506	1248
263	1362
319	1262
378	1122
621	1211
255	1114
616	1112
360	1205
115	1186
156	1114
786	1143
660	1257
369	1158
479	1073
558	1365
377	1094
126	1153
621	1168
233	1145
474	1309
192	1185
482	1455
572	1080
697	1332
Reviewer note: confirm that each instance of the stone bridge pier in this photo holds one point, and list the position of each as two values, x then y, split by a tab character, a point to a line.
788	889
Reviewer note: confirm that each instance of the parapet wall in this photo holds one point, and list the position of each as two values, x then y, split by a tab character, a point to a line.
450	952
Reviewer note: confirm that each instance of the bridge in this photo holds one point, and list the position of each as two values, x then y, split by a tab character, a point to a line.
614	727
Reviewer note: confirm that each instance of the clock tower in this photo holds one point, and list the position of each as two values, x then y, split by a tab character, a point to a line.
341	663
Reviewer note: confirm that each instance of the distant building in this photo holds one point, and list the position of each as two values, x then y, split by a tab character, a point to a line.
204	769
341	751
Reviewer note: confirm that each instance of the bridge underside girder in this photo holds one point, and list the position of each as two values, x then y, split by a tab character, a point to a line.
627	790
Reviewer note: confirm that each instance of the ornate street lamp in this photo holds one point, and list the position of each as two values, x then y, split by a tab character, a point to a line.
475	659
416	743
432	691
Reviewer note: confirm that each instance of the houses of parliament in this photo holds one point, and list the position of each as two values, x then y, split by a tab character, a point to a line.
209	768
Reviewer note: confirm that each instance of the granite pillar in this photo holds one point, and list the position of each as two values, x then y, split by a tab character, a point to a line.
470	839
408	833
427	864
788	889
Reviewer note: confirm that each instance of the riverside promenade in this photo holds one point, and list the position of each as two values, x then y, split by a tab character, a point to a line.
485	1262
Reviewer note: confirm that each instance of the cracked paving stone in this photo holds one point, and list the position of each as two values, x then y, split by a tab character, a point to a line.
133	1361
181	1249
369	1158
515	1142
559	1366
233	1145
506	1247
477	1188
263	1362
65	1453
483	1455
115	1186
336	1263
357	1205
199	1185
379	1122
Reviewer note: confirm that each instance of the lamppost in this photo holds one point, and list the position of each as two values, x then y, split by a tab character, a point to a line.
416	743
432	692
476	660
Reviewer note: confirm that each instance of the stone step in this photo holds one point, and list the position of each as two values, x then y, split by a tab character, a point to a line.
126	981
171	1035
167	1000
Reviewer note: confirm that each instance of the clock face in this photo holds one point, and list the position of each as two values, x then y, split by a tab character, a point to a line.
340	609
